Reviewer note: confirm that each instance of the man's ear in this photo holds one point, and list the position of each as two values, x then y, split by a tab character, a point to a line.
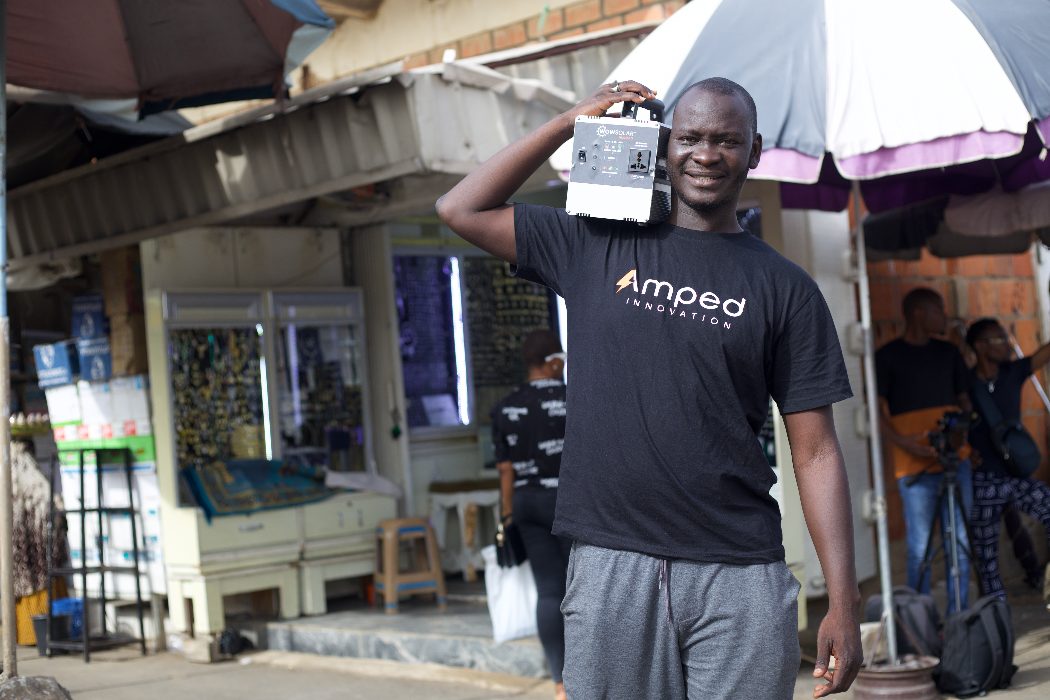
756	152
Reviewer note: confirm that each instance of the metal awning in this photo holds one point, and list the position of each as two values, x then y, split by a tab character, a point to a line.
420	129
444	121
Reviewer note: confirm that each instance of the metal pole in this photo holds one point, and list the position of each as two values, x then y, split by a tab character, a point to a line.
874	436
7	587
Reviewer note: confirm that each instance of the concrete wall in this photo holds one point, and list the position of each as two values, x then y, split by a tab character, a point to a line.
242	257
820	243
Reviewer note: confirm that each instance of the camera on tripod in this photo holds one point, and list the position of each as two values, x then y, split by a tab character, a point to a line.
950	435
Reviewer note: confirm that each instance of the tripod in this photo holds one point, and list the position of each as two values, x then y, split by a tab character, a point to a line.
948	495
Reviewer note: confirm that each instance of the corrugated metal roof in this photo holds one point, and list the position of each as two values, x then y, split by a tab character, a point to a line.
373	127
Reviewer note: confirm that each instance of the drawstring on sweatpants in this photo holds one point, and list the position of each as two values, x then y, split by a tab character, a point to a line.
665	583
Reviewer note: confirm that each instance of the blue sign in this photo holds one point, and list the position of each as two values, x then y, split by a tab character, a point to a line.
56	364
96	360
89	318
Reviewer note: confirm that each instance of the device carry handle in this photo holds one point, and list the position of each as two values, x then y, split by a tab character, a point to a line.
655	107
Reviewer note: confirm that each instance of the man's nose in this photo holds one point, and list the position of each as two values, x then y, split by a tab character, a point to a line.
705	154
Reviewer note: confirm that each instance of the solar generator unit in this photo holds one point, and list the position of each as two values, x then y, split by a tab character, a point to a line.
619	166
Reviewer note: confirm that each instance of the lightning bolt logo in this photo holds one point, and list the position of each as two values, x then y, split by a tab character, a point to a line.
626	281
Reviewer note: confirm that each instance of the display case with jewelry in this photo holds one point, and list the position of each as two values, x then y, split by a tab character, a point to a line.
265	392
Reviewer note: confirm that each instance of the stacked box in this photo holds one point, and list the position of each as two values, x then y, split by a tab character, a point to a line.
57	364
116	541
92	338
110	414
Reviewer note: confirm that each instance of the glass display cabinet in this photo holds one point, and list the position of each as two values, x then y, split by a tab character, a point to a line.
271	384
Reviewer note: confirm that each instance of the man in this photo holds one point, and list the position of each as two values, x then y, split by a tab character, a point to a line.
528	430
1001	378
921	378
677	585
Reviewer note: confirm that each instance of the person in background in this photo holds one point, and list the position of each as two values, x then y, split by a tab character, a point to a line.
920	378
1002	377
1021	541
528	430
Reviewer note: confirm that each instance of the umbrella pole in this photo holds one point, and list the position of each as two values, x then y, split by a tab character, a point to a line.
874	435
7	588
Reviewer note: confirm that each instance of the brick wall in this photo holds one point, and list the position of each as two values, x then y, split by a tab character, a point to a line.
576	19
1000	286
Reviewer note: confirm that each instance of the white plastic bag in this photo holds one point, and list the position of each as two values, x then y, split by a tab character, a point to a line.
511	596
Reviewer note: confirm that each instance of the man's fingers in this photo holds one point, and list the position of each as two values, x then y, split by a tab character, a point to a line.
634	86
822	690
820	667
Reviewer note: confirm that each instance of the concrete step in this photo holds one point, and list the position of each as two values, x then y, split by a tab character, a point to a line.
460	637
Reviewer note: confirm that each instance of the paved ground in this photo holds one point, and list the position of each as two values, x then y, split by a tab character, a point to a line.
123	675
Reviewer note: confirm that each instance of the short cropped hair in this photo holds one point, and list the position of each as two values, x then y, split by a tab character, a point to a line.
725	86
918	298
978	328
538	345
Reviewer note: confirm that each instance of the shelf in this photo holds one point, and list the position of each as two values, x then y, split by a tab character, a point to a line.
108	511
77	570
94	643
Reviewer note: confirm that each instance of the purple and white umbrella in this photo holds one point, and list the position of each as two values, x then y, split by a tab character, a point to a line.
904	101
877	91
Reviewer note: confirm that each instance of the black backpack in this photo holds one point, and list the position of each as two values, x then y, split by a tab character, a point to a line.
978	651
916	619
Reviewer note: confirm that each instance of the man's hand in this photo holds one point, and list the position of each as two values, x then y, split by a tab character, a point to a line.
839	636
917	445
609	95
476	208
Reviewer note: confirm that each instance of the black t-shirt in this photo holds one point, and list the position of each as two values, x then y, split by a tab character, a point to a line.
1006	395
528	430
680	338
914	377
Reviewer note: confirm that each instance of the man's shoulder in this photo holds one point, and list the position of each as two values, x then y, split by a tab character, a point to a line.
1021	367
891	348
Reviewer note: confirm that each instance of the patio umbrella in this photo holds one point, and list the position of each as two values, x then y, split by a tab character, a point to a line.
991	223
881	92
164	54
894	100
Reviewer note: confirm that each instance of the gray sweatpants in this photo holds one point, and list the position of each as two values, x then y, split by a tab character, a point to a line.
643	627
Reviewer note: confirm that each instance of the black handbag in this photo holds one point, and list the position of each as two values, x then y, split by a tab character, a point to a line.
1013	443
510	548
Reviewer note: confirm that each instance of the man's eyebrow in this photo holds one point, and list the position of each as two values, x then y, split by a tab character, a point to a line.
699	130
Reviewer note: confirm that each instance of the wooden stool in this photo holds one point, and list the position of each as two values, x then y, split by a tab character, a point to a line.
424	577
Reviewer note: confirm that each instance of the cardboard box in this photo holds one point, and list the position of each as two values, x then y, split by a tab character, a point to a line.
116	542
63	405
121	281
95	359
89	318
131	406
127	342
57	364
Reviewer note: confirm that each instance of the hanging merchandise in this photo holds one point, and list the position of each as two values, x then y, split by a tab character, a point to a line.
217	392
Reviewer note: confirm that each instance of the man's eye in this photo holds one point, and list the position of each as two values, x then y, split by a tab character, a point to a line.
730	142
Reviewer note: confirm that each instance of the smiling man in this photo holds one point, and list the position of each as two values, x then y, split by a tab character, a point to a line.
677	584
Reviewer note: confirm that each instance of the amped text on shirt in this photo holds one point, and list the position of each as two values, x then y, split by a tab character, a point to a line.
680	300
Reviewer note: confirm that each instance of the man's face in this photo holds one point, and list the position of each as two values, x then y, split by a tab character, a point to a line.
710	149
934	318
994	344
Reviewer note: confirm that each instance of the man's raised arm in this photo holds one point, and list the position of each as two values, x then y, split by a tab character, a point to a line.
477	208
